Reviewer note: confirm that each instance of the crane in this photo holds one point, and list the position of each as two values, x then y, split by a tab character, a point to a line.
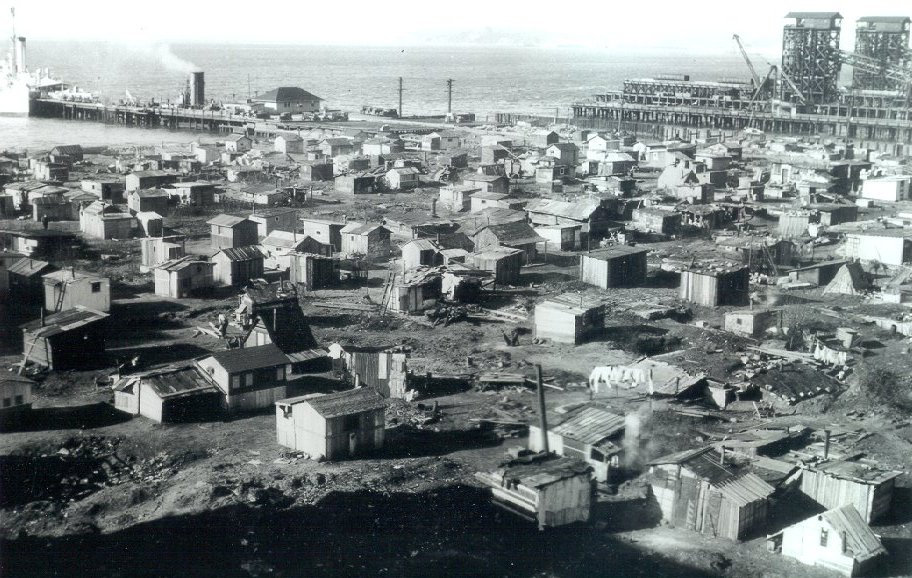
750	65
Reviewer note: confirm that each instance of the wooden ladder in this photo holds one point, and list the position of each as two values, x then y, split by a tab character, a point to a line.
59	304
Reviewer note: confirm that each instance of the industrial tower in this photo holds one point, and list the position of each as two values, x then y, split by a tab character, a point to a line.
810	56
885	40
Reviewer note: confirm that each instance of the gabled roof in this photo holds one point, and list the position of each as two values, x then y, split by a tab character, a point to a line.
286	94
225	220
518	233
67	149
342	403
242	253
732	479
250	358
361	229
861	541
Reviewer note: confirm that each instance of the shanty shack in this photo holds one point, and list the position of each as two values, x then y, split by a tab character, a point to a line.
838	540
16	396
415	290
149	180
43	243
274	219
457	197
70	288
505	264
249	378
518	235
383	368
835	483
235	266
332	426
618	266
542	488
105	221
171	394
708	492
569	318
183	276
229	231
370	240
26	284
421	252
313	271
751	322
154	200
715	286
156	250
589	433
66	340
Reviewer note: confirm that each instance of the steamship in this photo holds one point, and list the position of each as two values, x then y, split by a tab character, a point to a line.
19	87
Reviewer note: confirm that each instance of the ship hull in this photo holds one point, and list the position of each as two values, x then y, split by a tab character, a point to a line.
15	100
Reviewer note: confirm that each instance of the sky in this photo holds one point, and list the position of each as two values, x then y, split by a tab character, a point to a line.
697	27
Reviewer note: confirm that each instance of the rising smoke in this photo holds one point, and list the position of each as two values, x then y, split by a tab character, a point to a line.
171	61
638	445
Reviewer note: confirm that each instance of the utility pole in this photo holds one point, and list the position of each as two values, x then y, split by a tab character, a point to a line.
400	97
541	408
449	97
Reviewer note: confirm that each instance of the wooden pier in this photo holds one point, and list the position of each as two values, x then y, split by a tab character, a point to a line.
151	117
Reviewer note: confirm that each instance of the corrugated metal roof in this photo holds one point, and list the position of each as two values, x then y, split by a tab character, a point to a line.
342	403
28	267
510	234
860	539
590	425
745	489
64	321
856	471
249	253
578	211
538	470
170	382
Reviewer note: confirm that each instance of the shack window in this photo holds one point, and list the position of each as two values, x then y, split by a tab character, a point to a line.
824	536
19	400
280	373
248	379
235	382
7	402
96	287
351	422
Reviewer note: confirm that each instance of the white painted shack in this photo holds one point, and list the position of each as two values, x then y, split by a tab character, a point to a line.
332	426
569	318
171	394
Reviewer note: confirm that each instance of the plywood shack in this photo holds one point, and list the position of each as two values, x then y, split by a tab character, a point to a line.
835	483
332	426
383	368
618	266
544	488
570	318
712	287
708	492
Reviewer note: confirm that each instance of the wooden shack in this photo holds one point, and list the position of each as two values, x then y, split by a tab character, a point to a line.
569	318
236	266
383	368
542	488
589	433
618	266
369	240
503	262
415	290
314	272
332	426
183	277
838	540
26	285
863	484
421	252
229	231
708	492
171	394
715	286
66	340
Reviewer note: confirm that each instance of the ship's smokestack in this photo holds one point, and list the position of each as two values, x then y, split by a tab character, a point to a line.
19	50
197	89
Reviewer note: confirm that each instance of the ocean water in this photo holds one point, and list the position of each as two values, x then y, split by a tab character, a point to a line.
486	80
